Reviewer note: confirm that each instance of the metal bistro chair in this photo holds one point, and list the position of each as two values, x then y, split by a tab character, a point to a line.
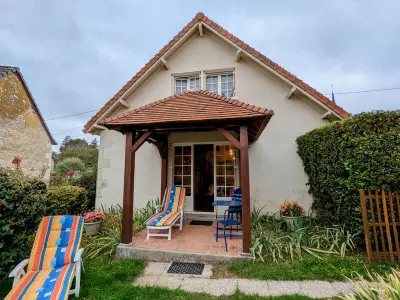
229	220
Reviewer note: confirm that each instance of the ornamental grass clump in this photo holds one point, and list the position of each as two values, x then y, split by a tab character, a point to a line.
375	287
274	242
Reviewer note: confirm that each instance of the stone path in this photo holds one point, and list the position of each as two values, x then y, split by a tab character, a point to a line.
156	274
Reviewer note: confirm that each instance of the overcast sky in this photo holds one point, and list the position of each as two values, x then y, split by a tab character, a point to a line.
75	55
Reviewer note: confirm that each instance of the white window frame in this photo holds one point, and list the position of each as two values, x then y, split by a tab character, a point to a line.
219	75
187	78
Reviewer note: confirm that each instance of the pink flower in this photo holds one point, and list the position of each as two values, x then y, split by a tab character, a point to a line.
16	160
93	216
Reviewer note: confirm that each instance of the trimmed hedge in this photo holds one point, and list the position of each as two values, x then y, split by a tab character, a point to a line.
66	200
361	152
21	209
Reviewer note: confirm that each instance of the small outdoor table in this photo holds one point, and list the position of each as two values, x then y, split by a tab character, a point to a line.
226	203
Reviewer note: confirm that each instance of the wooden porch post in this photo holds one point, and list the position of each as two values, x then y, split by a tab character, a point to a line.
245	185
131	147
164	166
127	206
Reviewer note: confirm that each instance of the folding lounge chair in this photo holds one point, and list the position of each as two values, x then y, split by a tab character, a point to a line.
171	212
55	260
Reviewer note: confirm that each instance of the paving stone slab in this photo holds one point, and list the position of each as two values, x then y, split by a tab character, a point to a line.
195	285
155	268
318	289
277	288
253	287
170	282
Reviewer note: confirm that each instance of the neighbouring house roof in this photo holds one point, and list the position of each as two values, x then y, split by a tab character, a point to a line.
193	106
4	71
200	17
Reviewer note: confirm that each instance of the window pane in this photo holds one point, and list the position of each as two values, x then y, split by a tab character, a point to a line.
187	180
180	85
220	192
220	160
220	171
194	83
230	170
188	190
212	84
178	150
187	150
220	180
229	191
178	170
187	171
227	85
178	160
177	180
230	181
187	160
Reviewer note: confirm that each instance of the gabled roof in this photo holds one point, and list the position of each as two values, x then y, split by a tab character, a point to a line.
193	108
4	71
200	17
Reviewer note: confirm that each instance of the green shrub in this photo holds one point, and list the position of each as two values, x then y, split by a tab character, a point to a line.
88	181
66	200
361	152
21	208
69	164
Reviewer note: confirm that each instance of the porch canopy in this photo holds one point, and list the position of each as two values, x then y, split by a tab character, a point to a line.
194	110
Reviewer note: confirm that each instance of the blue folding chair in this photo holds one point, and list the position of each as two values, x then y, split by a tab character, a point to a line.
236	210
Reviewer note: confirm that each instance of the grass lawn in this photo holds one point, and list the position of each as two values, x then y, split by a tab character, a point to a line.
111	280
330	269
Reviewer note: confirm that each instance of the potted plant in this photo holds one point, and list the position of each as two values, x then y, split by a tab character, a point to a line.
292	213
93	220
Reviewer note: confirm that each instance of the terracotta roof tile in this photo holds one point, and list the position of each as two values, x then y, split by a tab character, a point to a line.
200	17
189	106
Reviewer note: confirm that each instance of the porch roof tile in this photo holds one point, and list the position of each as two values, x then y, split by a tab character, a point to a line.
189	106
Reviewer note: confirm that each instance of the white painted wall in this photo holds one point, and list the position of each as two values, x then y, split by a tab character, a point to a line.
276	171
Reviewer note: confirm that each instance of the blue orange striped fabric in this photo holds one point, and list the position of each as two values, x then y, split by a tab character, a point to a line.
51	264
174	198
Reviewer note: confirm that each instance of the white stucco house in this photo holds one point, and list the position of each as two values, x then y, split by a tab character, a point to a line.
215	114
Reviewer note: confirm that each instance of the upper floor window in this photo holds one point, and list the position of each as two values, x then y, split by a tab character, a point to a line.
222	84
186	83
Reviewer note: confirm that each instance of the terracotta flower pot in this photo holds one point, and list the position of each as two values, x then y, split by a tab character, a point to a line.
293	222
92	228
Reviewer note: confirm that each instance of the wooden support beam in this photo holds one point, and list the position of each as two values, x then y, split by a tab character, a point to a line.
291	92
166	65
140	141
238	55
201	29
127	206
326	115
124	103
100	127
229	136
245	185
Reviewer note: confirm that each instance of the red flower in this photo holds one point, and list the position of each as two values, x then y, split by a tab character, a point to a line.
16	160
70	173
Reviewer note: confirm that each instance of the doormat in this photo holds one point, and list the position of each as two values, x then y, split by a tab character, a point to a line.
186	268
198	222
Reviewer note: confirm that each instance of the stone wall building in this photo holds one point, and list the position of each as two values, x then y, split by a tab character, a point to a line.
23	132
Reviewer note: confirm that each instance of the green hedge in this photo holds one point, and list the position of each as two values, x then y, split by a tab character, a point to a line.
21	209
340	158
66	200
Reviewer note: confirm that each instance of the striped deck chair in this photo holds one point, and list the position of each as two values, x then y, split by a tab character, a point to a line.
171	212
55	260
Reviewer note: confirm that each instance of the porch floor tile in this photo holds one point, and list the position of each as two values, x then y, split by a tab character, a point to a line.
193	239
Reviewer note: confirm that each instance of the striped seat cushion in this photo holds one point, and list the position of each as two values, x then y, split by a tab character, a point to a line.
174	198
56	242
163	219
45	284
